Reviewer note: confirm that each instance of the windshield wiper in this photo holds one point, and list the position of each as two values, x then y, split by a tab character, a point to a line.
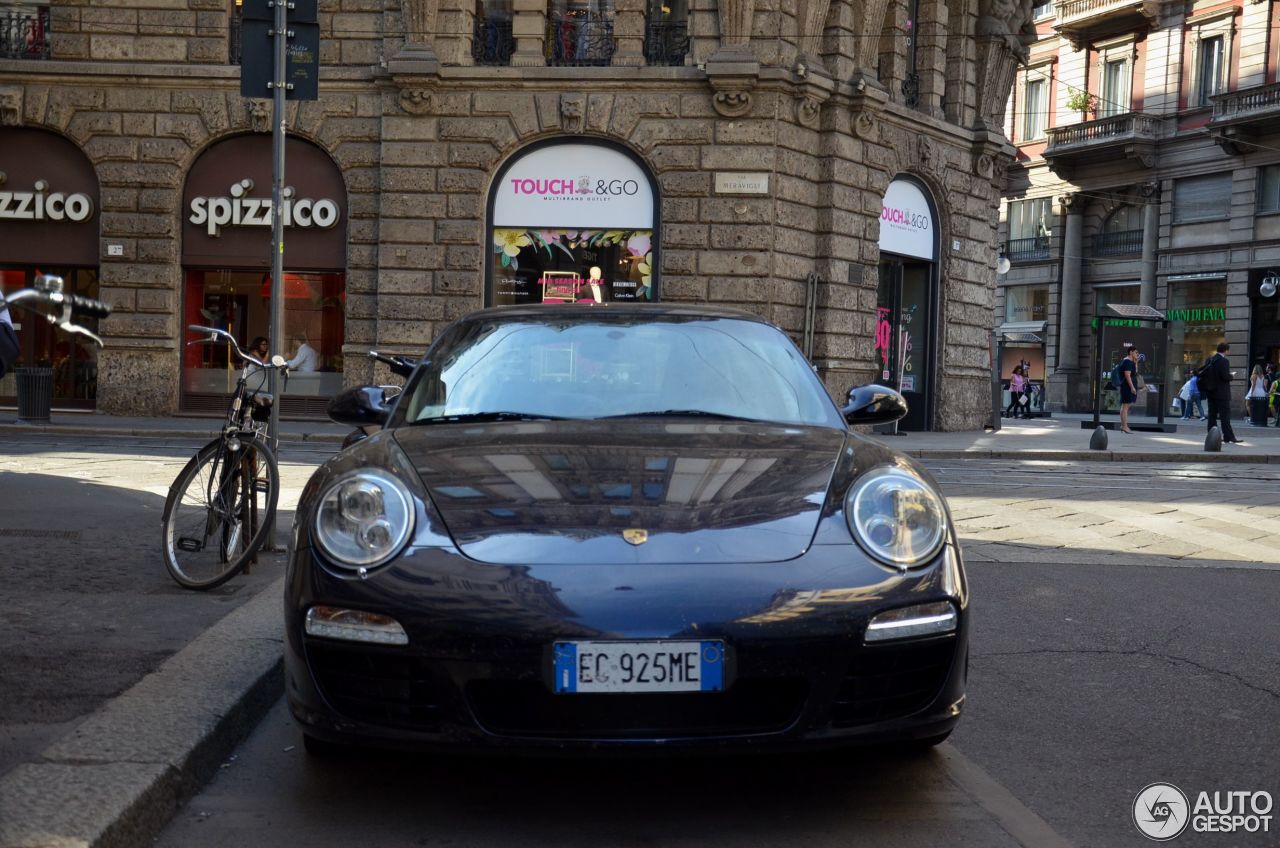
488	416
681	413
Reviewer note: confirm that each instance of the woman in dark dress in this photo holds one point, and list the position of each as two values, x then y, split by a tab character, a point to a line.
1128	385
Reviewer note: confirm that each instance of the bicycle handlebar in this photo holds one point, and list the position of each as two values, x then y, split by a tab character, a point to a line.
401	366
47	291
235	346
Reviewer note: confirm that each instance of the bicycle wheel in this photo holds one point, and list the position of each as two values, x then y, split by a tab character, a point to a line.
218	511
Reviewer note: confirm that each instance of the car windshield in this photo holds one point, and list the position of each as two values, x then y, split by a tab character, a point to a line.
512	367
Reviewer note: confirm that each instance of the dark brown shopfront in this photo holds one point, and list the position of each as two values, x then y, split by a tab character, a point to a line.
226	251
49	223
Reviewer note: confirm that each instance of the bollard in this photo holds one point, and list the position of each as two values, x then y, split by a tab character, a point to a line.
1213	441
1098	441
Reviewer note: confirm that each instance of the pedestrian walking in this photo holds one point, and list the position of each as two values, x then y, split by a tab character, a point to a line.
1017	385
1128	385
1256	398
1215	384
1274	397
1269	374
1190	396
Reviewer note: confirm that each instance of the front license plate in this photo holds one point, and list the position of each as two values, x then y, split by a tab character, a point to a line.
639	666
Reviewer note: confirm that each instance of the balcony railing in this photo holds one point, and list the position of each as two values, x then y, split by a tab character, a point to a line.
492	42
580	38
1117	243
666	42
1247	103
1072	11
24	33
1117	128
1027	249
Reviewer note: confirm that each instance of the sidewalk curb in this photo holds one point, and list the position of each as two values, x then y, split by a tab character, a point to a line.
116	780
1093	456
153	433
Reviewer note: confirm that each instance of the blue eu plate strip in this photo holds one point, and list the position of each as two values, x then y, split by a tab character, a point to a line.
566	667
712	666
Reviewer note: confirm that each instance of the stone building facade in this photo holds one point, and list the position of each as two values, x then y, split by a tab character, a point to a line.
831	164
1147	173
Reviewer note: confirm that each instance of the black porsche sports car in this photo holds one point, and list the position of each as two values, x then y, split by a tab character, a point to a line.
624	525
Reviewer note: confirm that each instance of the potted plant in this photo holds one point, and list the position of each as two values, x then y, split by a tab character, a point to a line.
1083	102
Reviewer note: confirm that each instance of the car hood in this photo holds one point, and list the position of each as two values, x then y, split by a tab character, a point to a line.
626	490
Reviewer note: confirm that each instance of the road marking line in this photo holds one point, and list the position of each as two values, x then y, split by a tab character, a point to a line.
1017	820
1067	557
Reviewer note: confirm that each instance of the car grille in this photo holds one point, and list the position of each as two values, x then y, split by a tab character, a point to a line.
530	709
891	681
376	685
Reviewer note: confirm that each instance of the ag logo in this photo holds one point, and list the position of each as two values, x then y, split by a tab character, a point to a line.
1161	811
635	536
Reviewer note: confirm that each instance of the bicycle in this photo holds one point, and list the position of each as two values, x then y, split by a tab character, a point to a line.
222	504
46	291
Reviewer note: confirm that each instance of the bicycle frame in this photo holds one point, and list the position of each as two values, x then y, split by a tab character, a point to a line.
239	421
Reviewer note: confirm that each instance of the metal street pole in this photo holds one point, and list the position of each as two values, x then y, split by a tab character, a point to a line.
280	44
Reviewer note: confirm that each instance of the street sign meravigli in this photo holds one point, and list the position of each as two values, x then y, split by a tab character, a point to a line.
257	52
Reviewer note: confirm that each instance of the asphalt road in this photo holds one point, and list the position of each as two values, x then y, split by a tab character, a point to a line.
89	607
1124	634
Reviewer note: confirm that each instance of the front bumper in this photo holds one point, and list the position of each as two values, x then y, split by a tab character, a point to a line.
475	672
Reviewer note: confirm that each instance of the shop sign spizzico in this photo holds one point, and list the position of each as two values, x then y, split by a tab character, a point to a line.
214	213
43	205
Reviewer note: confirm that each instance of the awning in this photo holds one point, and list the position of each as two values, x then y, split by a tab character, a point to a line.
1022	331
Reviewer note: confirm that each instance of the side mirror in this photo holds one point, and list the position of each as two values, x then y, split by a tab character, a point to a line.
874	404
361	406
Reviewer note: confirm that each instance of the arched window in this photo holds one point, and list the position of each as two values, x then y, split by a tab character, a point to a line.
1121	233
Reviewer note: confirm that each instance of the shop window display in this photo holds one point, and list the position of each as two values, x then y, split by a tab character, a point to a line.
240	303
572	265
1197	316
74	360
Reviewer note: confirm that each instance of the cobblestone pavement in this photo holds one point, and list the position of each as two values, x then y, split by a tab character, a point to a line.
1034	511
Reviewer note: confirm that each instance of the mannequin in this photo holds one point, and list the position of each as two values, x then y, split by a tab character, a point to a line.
596	283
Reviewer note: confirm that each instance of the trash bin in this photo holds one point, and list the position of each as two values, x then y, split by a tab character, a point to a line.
35	393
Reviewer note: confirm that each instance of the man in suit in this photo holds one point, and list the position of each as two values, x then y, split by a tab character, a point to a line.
1215	384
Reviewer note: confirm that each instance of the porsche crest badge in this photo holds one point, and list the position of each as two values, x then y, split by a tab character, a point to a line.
635	536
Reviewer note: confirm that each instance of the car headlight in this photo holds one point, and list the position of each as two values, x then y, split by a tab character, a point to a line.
364	519
896	517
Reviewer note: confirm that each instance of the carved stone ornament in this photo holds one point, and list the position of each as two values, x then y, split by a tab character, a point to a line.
808	111
417	101
925	152
1009	21
259	116
864	126
573	112
984	166
814	89
865	106
11	108
732	103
